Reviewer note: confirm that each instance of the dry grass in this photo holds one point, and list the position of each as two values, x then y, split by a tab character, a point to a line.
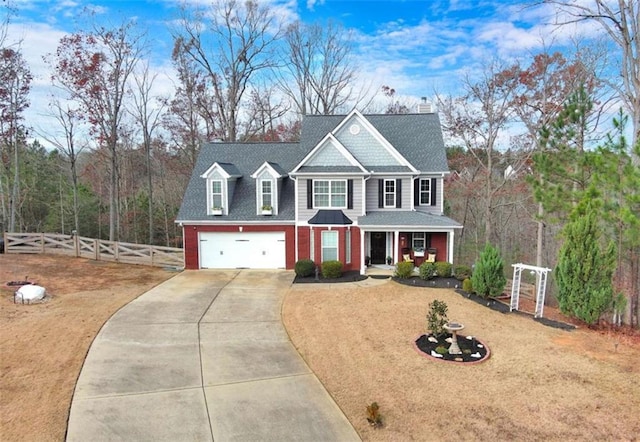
43	346
539	384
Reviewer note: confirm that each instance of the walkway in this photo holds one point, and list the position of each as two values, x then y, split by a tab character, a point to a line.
203	356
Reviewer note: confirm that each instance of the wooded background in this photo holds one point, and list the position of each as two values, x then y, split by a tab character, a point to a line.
526	141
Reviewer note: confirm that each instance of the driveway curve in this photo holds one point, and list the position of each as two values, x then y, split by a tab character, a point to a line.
203	357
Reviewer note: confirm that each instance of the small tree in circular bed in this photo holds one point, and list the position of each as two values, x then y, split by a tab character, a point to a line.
488	277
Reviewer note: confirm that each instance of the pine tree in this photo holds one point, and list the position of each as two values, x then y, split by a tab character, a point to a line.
584	271
488	276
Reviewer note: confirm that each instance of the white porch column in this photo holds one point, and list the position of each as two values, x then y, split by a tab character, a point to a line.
396	243
362	266
451	237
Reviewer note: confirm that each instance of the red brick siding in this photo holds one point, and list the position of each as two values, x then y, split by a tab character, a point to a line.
303	251
191	240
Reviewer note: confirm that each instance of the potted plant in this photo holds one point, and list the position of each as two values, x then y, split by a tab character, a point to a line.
389	260
267	210
216	210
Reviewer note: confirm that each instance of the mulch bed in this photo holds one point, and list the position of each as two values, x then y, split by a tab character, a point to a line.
350	276
473	350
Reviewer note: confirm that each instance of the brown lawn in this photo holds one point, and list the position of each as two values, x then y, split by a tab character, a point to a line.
540	383
43	346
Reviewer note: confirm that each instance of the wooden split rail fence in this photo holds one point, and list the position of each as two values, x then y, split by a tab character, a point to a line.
98	249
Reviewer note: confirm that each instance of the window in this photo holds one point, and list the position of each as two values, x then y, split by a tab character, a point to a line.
266	193
312	245
329	245
425	192
216	193
389	193
347	246
330	194
421	240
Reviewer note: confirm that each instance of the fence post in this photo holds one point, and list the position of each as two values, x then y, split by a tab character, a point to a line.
151	254
42	242
76	244
96	249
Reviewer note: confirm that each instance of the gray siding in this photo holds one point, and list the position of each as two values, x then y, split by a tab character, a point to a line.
328	155
365	147
305	214
372	194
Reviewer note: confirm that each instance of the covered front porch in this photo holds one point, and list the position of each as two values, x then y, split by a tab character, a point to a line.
417	237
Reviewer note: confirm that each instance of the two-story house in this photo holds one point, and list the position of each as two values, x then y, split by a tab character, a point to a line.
356	188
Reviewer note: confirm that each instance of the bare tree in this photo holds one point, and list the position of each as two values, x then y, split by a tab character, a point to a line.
264	112
147	115
621	21
69	120
231	43
318	74
94	69
15	84
477	119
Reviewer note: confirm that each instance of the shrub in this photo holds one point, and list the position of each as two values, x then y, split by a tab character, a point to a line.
441	350
404	270
304	268
488	277
437	317
462	272
331	269
467	286
443	268
427	270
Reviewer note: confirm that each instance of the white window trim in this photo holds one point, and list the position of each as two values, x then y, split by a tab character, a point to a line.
273	194
330	206
222	198
420	192
385	193
347	247
423	239
322	247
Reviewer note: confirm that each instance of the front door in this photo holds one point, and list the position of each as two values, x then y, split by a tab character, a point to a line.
378	247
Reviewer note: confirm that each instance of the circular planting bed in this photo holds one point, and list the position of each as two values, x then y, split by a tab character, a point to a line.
473	350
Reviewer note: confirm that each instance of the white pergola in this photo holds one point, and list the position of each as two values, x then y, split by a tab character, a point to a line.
541	286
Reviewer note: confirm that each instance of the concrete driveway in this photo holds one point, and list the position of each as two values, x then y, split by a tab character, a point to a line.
201	357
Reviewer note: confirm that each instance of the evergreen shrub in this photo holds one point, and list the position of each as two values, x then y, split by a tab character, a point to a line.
404	270
462	272
443	269
427	270
488	277
331	269
304	268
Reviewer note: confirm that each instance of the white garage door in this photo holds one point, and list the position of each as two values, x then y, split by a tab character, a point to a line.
251	250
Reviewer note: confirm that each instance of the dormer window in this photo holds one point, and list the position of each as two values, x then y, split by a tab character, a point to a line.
266	193
216	194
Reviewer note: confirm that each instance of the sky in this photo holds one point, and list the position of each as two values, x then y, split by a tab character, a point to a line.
417	47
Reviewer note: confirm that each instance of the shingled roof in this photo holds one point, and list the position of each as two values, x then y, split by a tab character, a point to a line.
246	158
418	137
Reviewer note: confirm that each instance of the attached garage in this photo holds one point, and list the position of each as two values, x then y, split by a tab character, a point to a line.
250	250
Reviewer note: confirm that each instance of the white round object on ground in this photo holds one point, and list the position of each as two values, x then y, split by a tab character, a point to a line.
30	293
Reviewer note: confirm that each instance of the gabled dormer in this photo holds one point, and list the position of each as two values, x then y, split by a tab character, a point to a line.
220	184
268	181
